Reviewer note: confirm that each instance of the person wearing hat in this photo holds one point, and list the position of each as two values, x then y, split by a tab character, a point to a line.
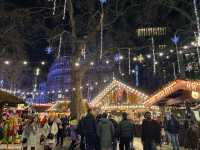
126	132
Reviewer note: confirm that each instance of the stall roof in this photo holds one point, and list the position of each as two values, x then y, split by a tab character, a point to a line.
172	87
9	99
115	83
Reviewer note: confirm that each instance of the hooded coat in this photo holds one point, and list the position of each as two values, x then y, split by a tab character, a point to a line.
105	132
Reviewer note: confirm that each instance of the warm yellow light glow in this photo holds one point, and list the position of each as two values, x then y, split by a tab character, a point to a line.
195	95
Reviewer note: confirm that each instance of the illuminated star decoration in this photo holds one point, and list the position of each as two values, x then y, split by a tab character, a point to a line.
175	39
189	67
140	58
49	50
116	57
103	1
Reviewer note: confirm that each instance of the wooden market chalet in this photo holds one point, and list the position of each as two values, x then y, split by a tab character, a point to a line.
176	92
118	97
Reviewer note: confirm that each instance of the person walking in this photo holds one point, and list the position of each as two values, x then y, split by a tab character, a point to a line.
191	138
29	135
60	134
173	129
149	132
81	133
89	130
73	133
105	132
116	132
126	133
50	130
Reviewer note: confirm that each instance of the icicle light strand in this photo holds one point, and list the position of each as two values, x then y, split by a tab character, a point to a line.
54	7
198	29
64	10
129	61
60	45
154	57
102	17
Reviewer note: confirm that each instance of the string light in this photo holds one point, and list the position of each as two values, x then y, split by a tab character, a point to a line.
91	63
107	62
185	47
77	64
97	101
167	57
121	57
161	54
172	87
171	50
43	63
148	56
7	62
64	9
133	71
37	71
25	62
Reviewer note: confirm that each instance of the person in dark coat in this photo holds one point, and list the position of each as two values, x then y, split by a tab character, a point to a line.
148	132
81	133
126	132
116	133
173	129
105	132
60	134
191	138
89	130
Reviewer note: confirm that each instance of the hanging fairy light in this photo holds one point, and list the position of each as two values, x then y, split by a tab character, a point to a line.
60	45
198	29
64	9
119	64
83	51
54	7
154	57
175	40
102	24
129	61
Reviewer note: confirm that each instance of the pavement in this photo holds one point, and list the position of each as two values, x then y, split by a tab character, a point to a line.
137	144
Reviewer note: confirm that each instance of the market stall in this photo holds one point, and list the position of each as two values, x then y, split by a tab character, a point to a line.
9	117
63	107
118	97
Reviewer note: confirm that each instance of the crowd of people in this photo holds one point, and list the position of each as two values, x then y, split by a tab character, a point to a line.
103	132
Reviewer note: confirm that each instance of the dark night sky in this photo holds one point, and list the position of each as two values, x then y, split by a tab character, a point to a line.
37	37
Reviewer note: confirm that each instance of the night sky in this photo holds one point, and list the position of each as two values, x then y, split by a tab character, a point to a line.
36	29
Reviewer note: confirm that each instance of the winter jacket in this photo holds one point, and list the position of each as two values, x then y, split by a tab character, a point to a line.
89	129
116	129
191	138
149	132
73	130
173	126
105	132
47	129
30	134
126	129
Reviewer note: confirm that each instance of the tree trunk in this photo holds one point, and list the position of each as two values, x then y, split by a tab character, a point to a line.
76	92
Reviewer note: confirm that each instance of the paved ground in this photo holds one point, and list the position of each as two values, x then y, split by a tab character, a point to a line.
137	144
